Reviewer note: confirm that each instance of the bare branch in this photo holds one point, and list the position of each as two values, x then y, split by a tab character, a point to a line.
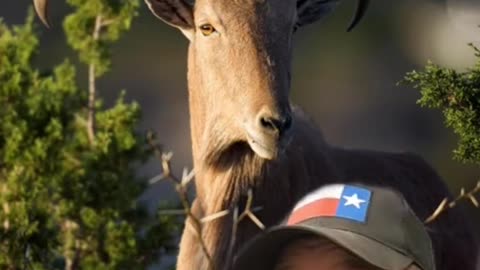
215	216
248	212
445	204
71	249
256	221
237	218
181	185
107	22
195	224
187	176
233	239
92	85
156	179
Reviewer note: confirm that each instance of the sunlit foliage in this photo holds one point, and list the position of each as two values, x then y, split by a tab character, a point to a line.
66	203
457	94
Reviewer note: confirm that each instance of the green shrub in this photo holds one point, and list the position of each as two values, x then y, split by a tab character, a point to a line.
68	200
457	95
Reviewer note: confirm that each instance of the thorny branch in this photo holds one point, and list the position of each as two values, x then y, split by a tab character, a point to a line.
237	218
445	204
181	185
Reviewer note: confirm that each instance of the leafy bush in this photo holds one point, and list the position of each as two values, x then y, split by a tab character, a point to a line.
457	94
68	183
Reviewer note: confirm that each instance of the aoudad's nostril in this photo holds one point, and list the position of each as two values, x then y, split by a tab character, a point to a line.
276	125
268	123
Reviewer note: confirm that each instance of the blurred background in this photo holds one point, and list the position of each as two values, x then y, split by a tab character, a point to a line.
347	82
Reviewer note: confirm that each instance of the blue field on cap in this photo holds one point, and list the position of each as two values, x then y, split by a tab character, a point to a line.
354	204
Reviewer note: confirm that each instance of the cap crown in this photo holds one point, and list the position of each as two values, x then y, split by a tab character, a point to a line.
377	213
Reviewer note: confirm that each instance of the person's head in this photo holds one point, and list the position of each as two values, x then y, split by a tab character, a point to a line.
343	227
312	252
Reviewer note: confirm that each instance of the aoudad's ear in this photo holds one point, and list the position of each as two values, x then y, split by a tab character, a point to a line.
310	11
177	13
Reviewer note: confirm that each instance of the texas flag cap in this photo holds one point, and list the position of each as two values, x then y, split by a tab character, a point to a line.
340	201
374	223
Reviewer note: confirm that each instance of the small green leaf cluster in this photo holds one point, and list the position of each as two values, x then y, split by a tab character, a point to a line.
457	94
114	17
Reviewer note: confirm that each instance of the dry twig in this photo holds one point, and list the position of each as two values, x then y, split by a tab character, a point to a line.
237	218
181	186
445	204
196	223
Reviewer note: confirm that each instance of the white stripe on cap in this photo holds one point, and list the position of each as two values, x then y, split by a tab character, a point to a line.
331	191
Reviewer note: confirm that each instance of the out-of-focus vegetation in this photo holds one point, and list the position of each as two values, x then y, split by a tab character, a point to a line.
457	94
69	200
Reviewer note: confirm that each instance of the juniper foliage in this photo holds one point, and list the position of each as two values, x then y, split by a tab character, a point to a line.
457	95
66	203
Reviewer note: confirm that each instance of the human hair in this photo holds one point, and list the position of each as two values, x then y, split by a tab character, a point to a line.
312	243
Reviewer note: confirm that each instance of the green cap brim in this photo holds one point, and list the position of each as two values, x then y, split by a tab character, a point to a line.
263	251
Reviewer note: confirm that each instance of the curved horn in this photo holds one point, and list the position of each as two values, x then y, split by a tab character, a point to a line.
41	7
359	13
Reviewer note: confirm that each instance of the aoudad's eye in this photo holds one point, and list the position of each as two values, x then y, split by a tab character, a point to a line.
207	29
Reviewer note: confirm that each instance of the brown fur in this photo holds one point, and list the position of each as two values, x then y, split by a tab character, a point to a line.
306	164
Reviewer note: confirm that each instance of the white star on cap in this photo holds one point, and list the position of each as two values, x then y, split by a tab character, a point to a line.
353	200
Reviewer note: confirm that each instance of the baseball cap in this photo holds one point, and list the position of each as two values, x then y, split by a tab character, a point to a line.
374	223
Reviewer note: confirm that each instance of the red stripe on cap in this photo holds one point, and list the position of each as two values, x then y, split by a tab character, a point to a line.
320	208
